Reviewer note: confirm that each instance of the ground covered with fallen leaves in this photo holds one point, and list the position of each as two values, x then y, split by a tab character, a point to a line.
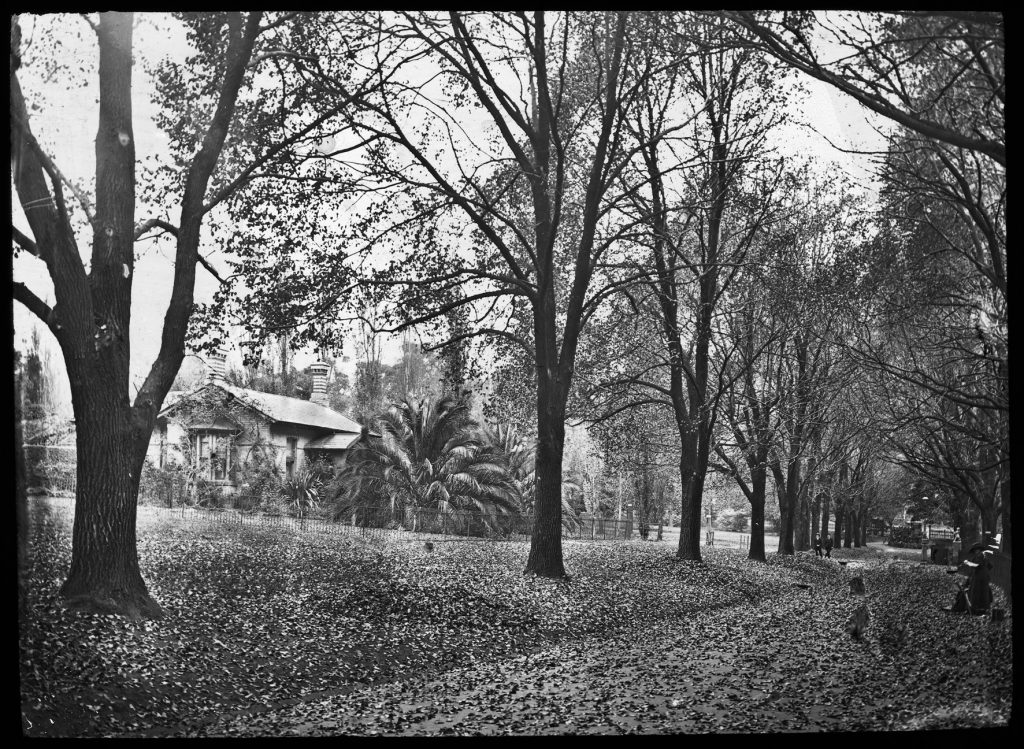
277	632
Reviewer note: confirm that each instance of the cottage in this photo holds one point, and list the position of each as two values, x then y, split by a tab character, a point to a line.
224	428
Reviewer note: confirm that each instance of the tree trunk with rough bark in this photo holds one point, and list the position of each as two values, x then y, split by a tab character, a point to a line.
816	518
787	509
545	557
758	483
689	517
825	509
837	532
105	575
803	525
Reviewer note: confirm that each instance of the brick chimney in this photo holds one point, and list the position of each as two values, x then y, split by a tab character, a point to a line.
216	363
319	394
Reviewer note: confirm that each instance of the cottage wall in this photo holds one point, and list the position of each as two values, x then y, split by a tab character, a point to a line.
255	429
303	436
256	433
165	444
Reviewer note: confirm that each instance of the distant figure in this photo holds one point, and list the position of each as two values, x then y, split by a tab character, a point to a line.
817	545
956	535
828	546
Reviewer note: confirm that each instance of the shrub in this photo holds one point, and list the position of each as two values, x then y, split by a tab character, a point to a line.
259	480
209	495
302	493
167	486
733	521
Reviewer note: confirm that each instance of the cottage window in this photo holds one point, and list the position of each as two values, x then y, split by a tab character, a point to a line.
213	453
293	449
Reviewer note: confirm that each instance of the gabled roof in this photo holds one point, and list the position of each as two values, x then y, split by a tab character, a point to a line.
280	408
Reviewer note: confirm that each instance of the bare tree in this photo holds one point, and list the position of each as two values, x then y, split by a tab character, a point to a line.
526	214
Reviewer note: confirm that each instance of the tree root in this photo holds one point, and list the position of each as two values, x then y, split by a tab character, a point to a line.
134	608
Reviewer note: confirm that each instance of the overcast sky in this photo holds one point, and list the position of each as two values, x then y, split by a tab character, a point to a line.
66	125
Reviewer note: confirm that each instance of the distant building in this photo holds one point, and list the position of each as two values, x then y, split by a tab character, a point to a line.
224	428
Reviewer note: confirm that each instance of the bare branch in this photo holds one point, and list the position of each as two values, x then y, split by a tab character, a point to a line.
51	168
33	303
24	242
170	228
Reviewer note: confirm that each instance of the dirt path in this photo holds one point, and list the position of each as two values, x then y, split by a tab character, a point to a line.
787	666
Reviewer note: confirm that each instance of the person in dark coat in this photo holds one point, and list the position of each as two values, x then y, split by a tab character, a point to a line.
817	545
979	591
828	546
974	595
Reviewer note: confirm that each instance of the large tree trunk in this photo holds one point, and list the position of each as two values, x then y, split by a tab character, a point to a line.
825	509
545	557
989	514
802	541
787	507
849	521
696	493
104	575
758	482
837	532
816	518
808	509
689	516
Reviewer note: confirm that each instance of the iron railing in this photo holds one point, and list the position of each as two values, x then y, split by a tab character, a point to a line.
379	522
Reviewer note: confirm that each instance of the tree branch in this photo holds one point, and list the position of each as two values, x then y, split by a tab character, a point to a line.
24	242
170	228
51	168
779	48
33	303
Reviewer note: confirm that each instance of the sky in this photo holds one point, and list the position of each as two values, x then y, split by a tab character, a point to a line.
65	125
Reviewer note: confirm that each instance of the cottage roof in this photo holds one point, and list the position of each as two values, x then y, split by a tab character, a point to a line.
332	442
283	408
